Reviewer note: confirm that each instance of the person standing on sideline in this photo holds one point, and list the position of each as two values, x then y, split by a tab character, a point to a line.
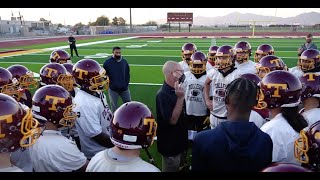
172	134
72	43
307	45
118	71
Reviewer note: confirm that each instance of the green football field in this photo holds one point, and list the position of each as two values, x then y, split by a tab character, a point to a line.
146	57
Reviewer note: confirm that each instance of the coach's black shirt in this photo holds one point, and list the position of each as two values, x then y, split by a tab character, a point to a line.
171	139
72	40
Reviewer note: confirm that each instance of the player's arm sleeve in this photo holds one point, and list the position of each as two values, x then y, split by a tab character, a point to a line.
128	80
279	149
89	121
69	157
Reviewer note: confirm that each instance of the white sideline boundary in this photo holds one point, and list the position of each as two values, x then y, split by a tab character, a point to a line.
142	65
64	47
91	43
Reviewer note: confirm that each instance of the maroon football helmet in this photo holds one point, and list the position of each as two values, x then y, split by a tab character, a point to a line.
60	56
54	73
198	63
212	54
263	50
285	167
17	126
310	85
224	57
270	63
68	66
133	126
309	59
8	84
307	147
253	77
187	50
243	51
24	76
53	103
90	75
281	89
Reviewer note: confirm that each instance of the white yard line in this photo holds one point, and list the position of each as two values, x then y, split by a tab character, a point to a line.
18	53
23	62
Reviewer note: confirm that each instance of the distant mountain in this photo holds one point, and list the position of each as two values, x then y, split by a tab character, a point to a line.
234	18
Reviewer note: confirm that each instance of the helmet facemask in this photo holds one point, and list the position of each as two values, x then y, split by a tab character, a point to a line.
306	63
223	61
186	56
212	57
29	129
99	82
301	148
261	103
28	81
242	56
69	116
66	81
197	66
12	89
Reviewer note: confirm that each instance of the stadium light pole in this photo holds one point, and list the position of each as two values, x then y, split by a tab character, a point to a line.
130	21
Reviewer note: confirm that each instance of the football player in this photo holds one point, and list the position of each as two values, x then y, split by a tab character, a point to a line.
186	51
94	114
133	128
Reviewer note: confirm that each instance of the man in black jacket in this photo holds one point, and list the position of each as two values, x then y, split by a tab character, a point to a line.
72	43
118	71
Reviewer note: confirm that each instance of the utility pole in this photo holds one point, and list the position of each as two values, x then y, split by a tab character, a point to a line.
130	21
254	25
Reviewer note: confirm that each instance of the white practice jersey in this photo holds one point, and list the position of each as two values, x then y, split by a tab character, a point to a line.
11	169
102	162
283	137
296	71
312	115
53	152
247	67
257	119
218	88
22	159
209	66
194	96
184	66
94	117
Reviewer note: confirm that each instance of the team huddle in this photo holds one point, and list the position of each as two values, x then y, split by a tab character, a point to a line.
67	124
287	107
